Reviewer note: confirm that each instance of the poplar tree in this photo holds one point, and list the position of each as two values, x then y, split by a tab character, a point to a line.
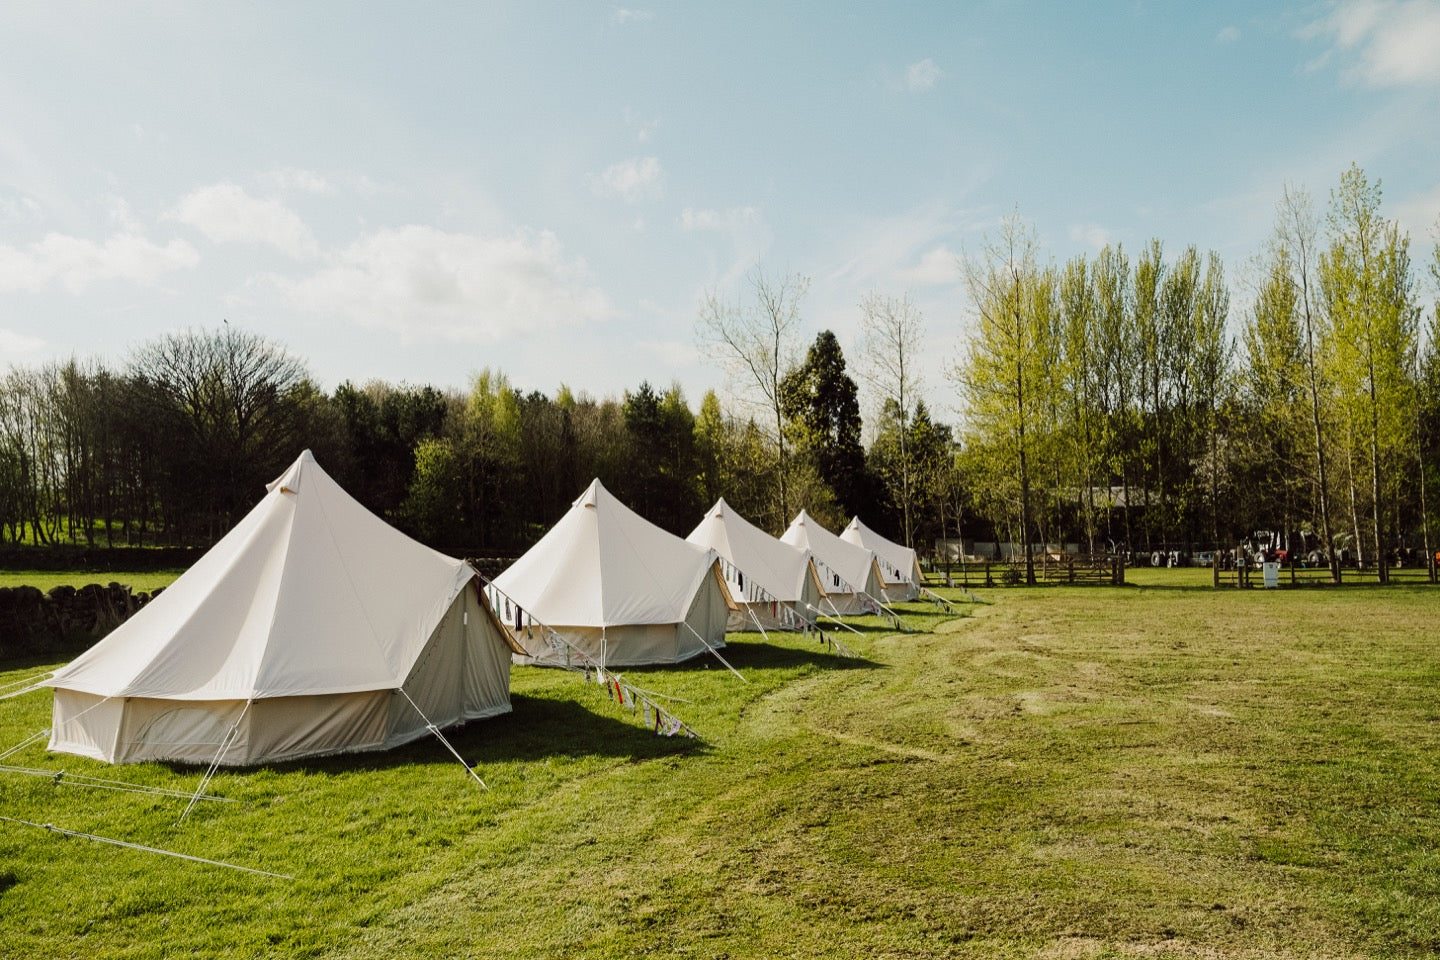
1209	376
1369	294
1275	392
1003	369
1114	371
1296	230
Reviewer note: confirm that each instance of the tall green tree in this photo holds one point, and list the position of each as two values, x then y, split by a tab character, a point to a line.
1115	371
821	405
1004	367
1369	293
1275	396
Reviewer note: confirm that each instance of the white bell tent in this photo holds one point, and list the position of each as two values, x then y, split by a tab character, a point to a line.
620	591
899	565
768	579
849	574
312	627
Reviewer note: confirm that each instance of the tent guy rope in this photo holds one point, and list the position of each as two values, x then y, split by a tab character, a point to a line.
29	685
441	737
225	743
68	779
50	827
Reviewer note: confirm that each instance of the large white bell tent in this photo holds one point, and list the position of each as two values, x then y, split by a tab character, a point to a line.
313	627
772	583
899	565
849	574
616	589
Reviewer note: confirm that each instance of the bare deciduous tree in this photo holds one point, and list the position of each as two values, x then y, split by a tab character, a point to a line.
757	342
892	338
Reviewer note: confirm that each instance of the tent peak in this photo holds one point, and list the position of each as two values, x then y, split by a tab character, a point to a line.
591	497
289	481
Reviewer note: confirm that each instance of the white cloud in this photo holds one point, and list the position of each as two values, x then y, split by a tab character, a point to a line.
225	213
906	249
937	267
77	264
624	15
922	76
1090	235
630	180
1389	43
17	346
426	284
1228	35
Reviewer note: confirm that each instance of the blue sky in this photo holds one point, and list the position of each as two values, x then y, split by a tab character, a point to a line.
415	191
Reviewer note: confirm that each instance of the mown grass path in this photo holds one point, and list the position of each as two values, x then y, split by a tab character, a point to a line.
1070	773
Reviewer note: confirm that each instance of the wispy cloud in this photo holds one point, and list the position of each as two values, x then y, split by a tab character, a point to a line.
630	180
1228	35
426	284
909	249
1382	43
1089	235
77	264
625	15
937	267
225	213
744	230
922	76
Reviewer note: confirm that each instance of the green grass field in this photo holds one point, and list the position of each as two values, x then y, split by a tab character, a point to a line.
48	579
1159	770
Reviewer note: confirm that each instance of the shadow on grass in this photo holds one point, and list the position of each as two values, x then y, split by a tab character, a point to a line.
536	728
762	655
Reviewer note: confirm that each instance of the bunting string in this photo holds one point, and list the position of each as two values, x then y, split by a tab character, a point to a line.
617	688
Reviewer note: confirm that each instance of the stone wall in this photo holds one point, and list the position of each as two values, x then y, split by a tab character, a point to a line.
65	620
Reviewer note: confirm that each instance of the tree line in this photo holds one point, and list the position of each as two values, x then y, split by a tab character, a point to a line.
176	445
1107	400
1111	401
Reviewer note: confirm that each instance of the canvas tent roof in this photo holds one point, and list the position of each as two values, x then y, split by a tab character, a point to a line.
602	564
621	588
310	593
854	565
898	563
781	569
309	596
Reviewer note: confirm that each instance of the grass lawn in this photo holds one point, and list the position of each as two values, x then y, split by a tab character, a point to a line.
48	579
1159	770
